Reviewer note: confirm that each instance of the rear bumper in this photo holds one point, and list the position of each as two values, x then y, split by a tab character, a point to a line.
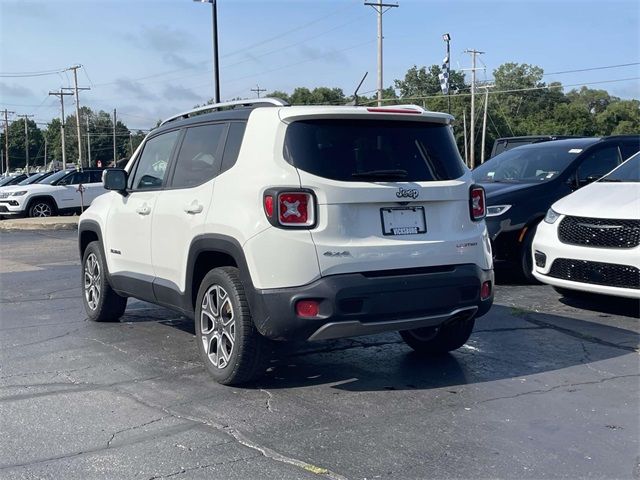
374	302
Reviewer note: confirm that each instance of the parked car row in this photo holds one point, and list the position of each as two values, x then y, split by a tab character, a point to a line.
585	241
51	193
522	184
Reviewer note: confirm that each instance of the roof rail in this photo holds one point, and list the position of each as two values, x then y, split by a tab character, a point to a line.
216	106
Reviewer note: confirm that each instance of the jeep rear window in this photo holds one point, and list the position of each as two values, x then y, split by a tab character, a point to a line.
373	150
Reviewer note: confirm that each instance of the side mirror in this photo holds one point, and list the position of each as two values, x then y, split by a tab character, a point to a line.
115	179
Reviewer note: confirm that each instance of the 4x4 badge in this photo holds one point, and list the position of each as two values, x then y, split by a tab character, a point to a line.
407	193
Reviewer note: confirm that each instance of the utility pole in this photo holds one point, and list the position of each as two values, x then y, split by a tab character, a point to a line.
6	138
464	126
114	138
258	90
76	89
26	140
61	94
381	8
88	144
472	143
484	121
45	152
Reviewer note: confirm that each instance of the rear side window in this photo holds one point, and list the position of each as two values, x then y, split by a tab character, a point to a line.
232	148
629	148
199	157
373	150
599	163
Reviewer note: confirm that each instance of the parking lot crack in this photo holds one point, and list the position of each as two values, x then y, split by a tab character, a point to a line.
268	400
557	387
182	471
264	451
135	427
578	335
37	342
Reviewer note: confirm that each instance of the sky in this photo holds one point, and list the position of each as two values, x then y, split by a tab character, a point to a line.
152	58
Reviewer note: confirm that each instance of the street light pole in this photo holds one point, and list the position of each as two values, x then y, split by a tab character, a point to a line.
214	36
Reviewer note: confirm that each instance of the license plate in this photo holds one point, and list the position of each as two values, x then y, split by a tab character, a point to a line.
403	220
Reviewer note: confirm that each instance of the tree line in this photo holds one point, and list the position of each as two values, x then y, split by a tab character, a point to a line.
520	103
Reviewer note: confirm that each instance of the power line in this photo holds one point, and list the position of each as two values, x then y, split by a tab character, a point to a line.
594	68
426	97
41	73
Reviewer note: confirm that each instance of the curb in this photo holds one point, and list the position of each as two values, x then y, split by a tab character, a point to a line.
48	223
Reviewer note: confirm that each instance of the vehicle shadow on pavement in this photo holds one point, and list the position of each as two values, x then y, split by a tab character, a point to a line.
504	345
627	307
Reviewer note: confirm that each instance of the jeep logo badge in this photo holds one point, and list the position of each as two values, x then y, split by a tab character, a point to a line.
407	193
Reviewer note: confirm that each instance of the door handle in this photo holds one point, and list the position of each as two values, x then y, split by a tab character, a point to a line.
143	210
194	208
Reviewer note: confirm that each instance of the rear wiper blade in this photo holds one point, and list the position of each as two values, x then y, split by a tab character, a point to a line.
609	180
381	174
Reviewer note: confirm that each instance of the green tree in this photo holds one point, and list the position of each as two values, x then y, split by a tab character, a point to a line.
620	117
17	151
420	82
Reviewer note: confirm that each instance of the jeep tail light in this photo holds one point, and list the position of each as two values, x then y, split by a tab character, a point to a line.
268	205
477	203
295	209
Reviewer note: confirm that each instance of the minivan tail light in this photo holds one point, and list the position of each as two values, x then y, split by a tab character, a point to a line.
477	203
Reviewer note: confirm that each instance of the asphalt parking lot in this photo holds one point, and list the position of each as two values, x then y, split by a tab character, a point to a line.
545	388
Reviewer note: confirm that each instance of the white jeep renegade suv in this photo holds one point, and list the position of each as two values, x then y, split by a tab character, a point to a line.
269	221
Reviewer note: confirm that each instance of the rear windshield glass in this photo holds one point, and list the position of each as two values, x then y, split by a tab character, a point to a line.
373	150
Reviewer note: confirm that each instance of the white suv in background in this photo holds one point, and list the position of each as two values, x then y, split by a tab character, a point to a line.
269	221
590	240
57	194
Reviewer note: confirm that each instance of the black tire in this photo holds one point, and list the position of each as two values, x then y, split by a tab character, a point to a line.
526	257
229	362
42	208
101	303
438	341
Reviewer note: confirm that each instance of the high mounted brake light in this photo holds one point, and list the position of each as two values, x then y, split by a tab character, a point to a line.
477	203
290	208
393	110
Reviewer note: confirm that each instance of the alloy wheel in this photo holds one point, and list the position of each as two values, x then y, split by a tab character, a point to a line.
42	210
217	326
92	281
